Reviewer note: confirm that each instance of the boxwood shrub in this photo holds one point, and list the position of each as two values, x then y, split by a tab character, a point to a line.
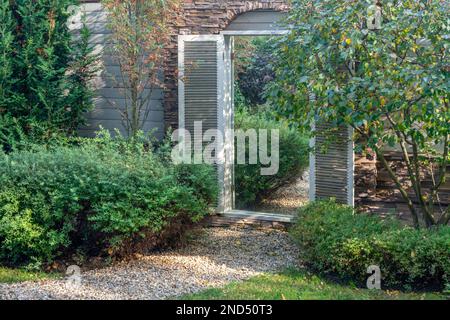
250	185
94	198
335	240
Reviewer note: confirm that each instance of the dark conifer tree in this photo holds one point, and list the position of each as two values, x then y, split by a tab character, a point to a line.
45	68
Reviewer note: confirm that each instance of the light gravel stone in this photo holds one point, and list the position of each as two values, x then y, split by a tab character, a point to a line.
213	258
288	198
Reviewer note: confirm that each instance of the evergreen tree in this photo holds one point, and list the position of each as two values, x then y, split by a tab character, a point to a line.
84	68
45	72
6	49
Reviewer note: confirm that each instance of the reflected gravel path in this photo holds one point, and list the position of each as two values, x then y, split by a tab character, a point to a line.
216	257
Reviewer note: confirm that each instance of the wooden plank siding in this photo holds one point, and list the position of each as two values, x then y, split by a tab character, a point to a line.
111	96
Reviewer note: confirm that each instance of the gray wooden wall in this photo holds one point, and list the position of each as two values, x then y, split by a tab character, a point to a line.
109	91
257	20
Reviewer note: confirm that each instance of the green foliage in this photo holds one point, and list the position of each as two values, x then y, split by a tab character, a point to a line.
93	198
21	134
11	133
254	69
83	67
240	101
333	239
250	185
44	71
391	85
197	177
403	66
7	27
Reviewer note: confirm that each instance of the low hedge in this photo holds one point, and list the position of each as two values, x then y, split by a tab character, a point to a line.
250	185
94	198
335	240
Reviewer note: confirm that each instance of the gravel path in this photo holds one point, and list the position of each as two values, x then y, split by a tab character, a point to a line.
214	258
288	198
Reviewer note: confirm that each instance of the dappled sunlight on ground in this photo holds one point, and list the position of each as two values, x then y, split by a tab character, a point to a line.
214	257
288	198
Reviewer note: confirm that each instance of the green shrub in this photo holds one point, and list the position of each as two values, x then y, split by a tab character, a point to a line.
250	185
335	240
93	198
23	134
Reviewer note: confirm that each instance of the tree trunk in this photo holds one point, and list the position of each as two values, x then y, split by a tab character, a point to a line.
403	192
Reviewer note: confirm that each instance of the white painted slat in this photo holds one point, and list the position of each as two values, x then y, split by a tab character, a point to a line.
260	216
200	89
331	171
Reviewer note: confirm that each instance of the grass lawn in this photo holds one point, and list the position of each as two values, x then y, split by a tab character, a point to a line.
8	275
300	285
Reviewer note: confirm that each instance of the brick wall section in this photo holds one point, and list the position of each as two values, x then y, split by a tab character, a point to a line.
203	17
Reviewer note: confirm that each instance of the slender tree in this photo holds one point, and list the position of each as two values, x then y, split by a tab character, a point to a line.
140	32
